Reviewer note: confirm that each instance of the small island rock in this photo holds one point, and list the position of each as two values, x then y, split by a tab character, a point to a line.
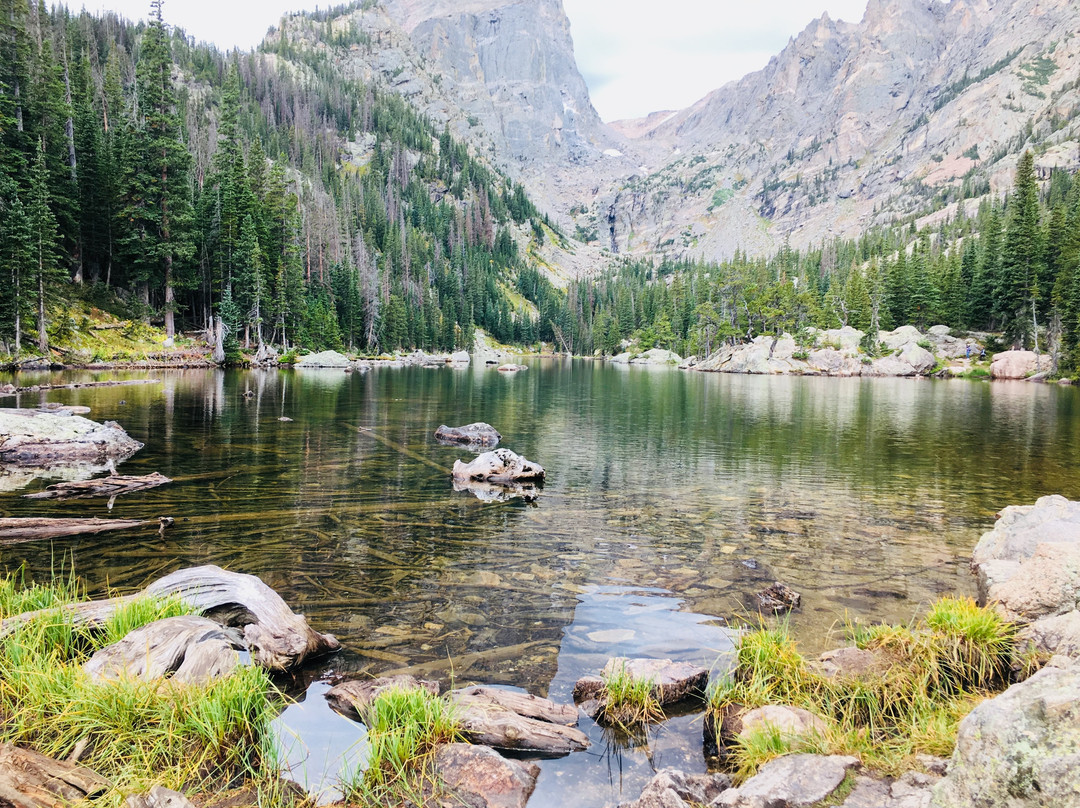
29	437
499	466
478	434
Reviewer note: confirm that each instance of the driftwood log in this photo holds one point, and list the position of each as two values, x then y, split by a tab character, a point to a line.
30	780
13	531
351	699
500	727
499	466
112	486
524	704
277	638
11	390
194	650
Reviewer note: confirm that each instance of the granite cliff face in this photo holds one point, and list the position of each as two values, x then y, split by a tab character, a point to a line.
919	104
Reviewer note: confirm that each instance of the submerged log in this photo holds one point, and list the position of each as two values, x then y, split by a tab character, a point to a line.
13	531
351	699
778	598
112	486
193	650
478	434
11	390
30	780
277	638
499	466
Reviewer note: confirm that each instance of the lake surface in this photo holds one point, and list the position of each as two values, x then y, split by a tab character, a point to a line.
671	498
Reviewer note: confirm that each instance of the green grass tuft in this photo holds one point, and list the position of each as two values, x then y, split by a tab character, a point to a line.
629	701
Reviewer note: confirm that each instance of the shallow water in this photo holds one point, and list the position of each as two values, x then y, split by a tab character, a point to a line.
671	498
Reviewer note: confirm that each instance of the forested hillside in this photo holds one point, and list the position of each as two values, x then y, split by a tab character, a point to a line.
262	189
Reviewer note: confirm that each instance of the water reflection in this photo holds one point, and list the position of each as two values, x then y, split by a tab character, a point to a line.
864	495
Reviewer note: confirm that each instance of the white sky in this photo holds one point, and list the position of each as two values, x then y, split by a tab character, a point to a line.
635	58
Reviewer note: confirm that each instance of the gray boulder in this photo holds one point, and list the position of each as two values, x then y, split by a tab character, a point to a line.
32	438
480	777
1017	364
477	434
1020	749
791	781
326	359
1048	636
674	789
499	466
913	360
903	336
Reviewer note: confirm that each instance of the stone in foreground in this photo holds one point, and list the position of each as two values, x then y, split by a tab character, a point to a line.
1020	749
480	777
32	438
500	466
478	434
159	797
675	789
792	781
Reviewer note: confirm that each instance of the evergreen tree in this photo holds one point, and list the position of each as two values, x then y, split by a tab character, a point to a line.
1017	290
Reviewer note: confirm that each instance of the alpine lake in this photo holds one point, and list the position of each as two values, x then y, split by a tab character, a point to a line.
670	499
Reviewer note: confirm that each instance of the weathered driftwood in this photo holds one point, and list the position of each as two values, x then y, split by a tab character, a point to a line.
277	638
499	466
524	704
352	699
33	438
30	780
15	530
158	797
478	434
493	725
112	486
778	598
194	650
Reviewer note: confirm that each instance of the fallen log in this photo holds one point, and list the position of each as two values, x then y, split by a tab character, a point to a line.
188	649
493	725
16	530
30	780
11	390
277	638
111	487
524	704
351	699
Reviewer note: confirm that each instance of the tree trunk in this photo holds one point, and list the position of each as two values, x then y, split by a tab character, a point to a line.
43	339
170	299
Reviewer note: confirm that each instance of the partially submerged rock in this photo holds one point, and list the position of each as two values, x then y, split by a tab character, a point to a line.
352	698
512	367
671	788
792	780
671	681
500	466
30	437
480	777
497	492
31	780
778	598
1021	748
187	649
478	434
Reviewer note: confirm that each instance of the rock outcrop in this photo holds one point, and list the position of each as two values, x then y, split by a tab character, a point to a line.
674	789
33	438
1018	365
1019	749
325	359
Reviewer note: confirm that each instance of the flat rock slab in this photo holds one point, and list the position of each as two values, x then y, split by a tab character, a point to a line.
30	780
482	778
792	781
499	466
478	434
351	699
30	437
675	789
187	649
159	797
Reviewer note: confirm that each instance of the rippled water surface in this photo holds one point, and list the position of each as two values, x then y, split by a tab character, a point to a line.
671	498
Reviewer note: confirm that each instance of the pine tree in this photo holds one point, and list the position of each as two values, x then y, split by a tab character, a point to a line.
45	272
1017	290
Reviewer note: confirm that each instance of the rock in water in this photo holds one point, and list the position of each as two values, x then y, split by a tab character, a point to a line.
478	434
674	789
1020	749
778	598
792	780
499	466
29	437
480	777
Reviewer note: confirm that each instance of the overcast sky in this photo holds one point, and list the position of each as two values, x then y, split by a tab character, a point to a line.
637	56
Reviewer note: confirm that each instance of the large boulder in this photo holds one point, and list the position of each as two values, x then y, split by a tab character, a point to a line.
845	340
1044	585
791	781
1020	749
32	438
900	338
656	356
480	777
1018	365
913	360
831	362
499	466
326	359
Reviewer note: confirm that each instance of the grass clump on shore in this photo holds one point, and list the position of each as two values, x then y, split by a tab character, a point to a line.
405	725
138	734
930	676
629	701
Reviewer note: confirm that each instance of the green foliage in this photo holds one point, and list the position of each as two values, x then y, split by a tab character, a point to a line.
629	701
